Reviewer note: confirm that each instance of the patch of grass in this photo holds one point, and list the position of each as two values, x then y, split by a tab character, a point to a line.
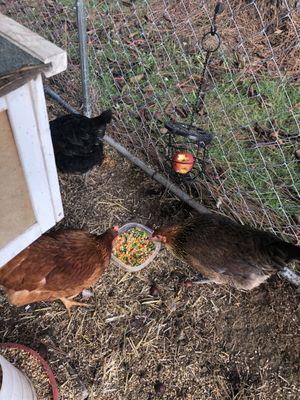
264	172
267	171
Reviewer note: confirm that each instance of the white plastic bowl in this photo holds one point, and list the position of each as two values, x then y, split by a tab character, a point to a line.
127	267
15	385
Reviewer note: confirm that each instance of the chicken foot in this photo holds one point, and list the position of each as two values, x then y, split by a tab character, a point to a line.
68	303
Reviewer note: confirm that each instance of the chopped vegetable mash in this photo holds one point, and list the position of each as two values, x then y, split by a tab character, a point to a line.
133	247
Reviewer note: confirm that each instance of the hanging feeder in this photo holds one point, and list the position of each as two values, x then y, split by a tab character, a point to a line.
186	149
187	144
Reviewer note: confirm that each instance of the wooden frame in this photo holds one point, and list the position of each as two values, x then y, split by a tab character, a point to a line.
27	113
40	109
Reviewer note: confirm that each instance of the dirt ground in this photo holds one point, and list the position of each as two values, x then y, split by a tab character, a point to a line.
187	342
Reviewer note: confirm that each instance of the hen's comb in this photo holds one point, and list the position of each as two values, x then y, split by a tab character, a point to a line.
116	228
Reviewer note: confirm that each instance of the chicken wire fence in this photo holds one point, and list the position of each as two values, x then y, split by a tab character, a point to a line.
145	61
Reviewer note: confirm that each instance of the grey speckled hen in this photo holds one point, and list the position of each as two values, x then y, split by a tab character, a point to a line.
226	252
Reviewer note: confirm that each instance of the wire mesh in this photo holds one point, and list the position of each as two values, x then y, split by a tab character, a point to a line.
145	62
55	21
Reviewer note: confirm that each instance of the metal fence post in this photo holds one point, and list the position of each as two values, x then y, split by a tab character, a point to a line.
84	64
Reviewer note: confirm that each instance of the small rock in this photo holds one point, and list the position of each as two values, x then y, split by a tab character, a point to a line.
163	130
159	388
297	154
86	294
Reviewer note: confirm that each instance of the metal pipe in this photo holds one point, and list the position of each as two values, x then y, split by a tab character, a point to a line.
83	51
156	176
148	170
59	100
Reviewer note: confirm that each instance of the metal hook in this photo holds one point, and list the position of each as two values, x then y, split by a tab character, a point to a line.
218	42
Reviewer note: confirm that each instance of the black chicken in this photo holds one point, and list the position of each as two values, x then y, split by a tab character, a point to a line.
77	141
226	252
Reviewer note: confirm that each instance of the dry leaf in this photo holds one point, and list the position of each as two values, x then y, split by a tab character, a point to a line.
182	112
297	105
158	115
188	89
169	109
149	88
296	218
136	78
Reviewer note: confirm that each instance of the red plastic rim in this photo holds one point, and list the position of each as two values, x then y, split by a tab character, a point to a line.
45	365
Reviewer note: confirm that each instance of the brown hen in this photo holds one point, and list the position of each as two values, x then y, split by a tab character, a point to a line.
58	265
226	252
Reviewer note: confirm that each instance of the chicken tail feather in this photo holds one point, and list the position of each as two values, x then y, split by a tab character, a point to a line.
291	276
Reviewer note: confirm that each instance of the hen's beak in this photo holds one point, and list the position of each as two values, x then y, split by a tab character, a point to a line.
159	238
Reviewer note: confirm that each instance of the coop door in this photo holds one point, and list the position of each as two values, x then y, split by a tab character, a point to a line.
16	213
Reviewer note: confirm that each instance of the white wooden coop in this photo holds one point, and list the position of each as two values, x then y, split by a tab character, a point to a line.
30	200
